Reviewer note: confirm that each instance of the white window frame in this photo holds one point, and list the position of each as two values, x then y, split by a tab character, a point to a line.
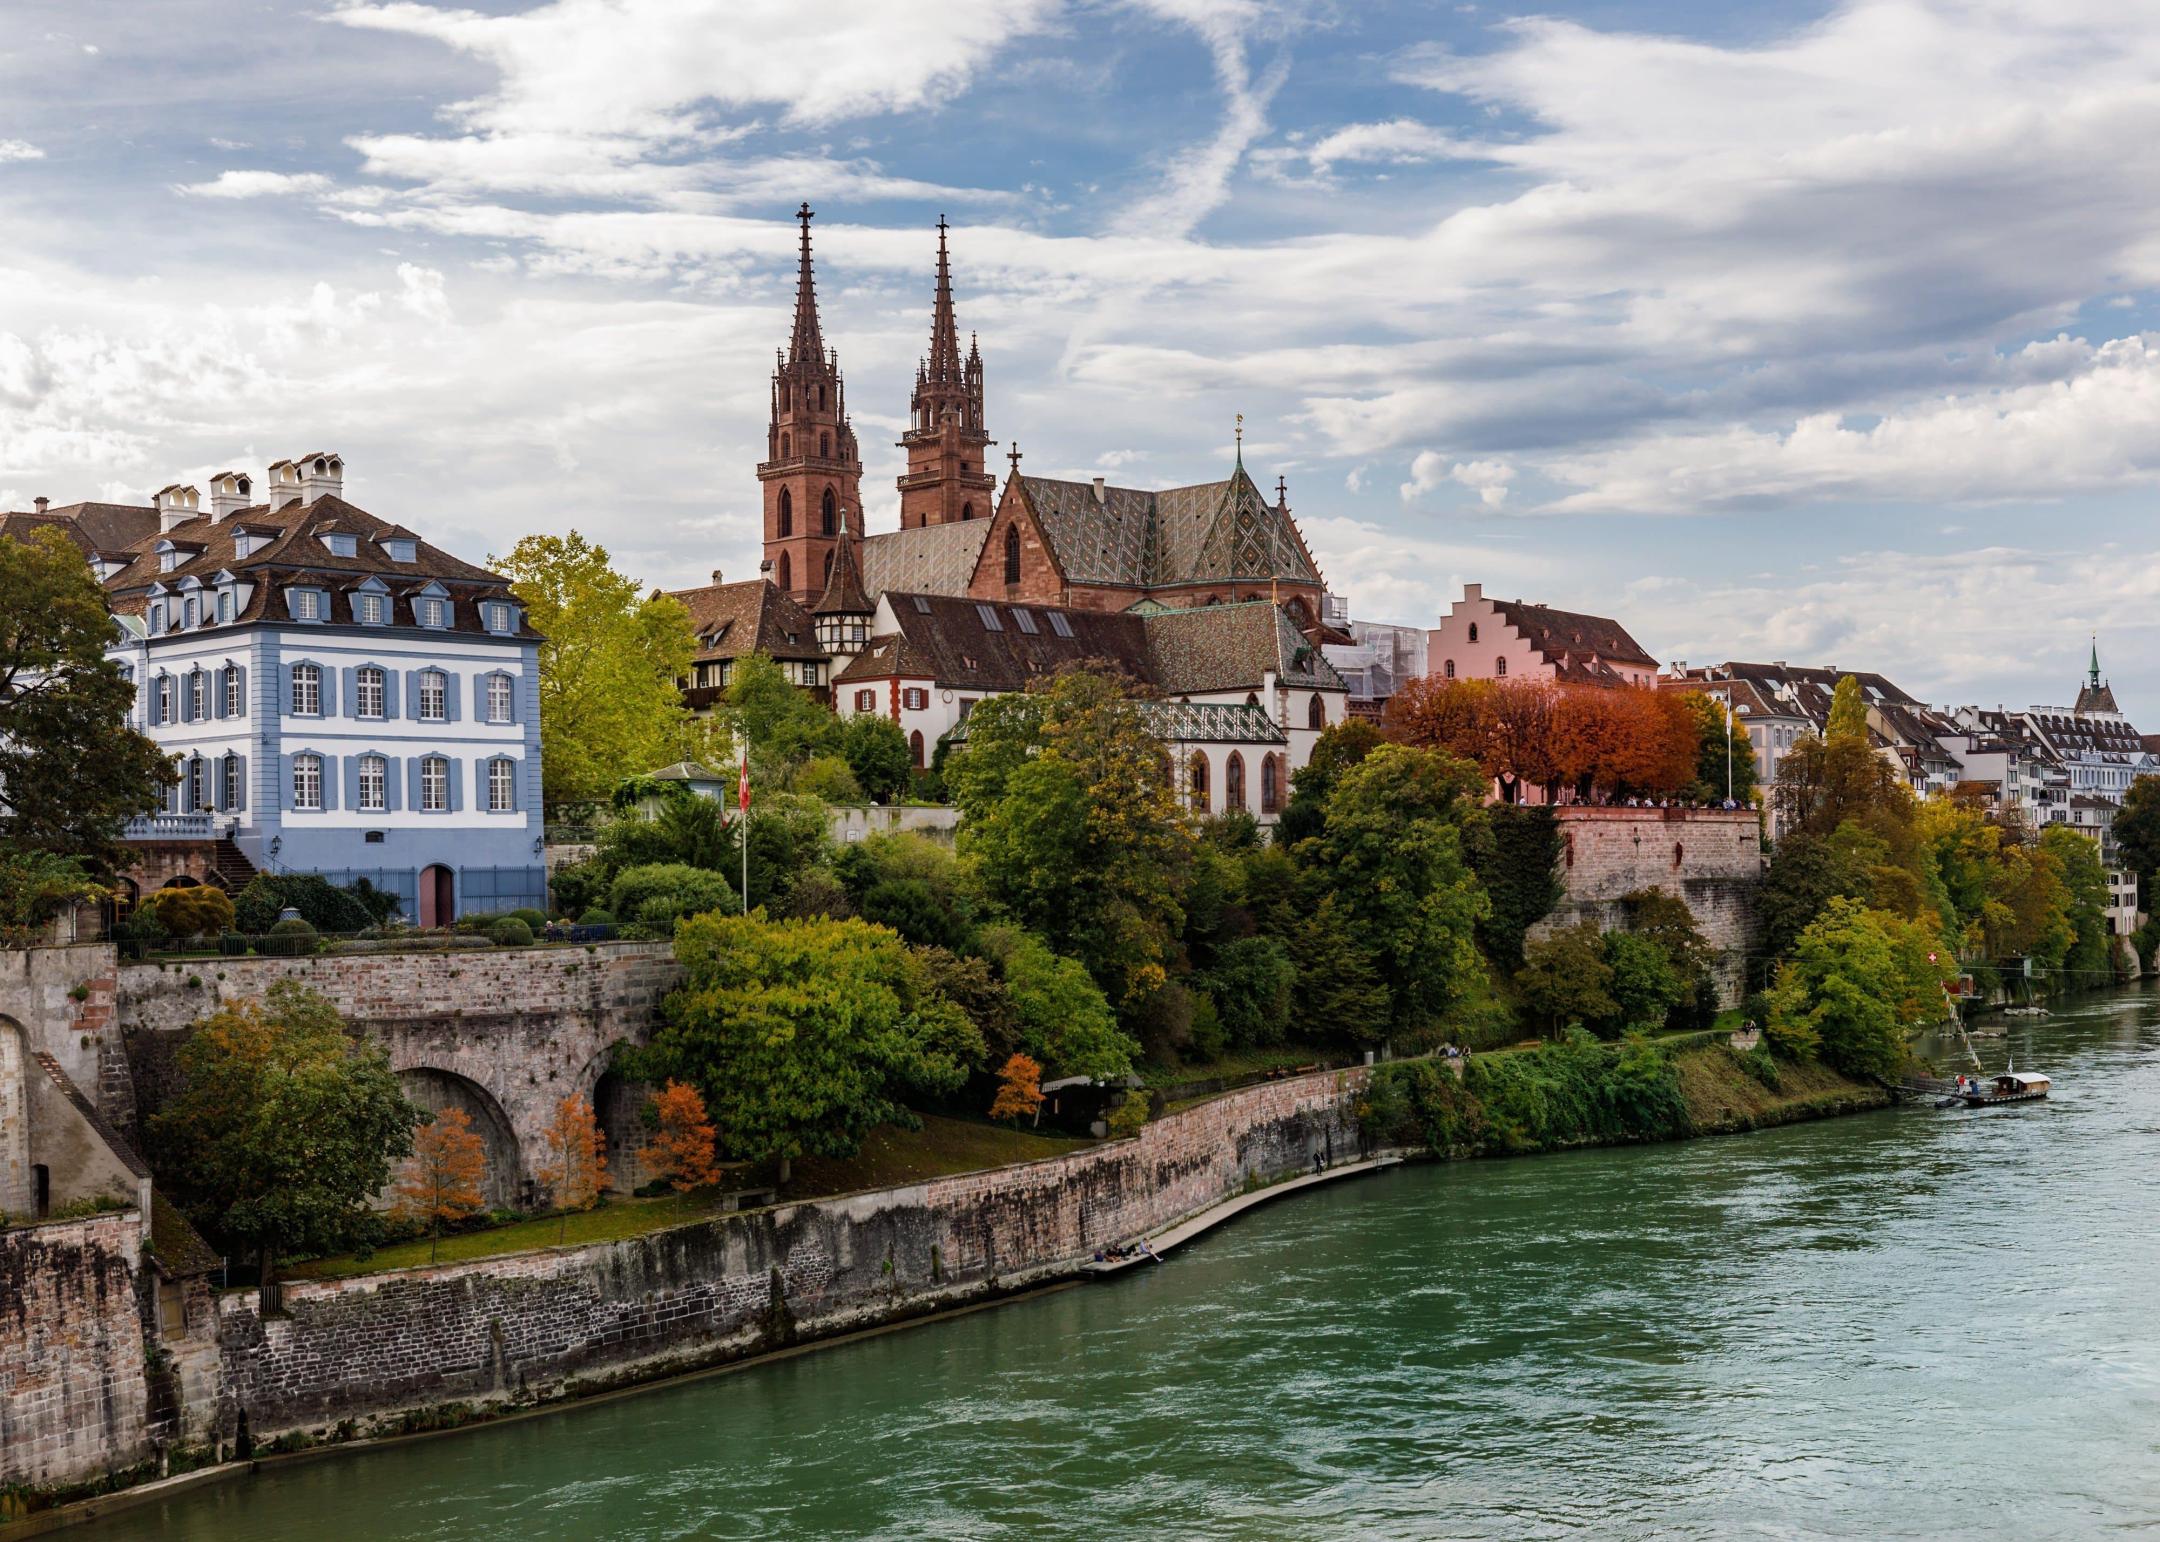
375	677
229	778
374	784
371	610
235	706
164	699
435	785
502	787
307	790
198	696
198	785
303	604
441	689
428	611
311	676
499	699
225	605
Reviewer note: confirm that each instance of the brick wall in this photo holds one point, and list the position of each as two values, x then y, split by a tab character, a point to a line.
531	1324
63	1000
73	1396
1710	858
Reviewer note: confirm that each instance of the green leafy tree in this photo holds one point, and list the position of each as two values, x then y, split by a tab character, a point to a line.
1340	747
1251	983
1565	979
1848	711
284	1128
2089	962
1341	995
877	752
789	833
805	1035
74	771
1666	921
1518	862
1805	873
1857	983
1724	760
1392	858
610	663
784	726
1645	987
682	827
828	779
1064	1021
657	896
36	886
2137	834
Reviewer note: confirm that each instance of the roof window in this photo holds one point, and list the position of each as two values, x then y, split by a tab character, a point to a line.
1059	624
1025	620
400	549
988	615
922	605
340	544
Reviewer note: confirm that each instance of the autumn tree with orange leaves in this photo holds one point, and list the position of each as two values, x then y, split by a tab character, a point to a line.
442	1180
1019	1091
577	1155
684	1145
1526	734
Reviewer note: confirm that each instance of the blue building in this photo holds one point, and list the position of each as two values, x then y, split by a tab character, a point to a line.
339	696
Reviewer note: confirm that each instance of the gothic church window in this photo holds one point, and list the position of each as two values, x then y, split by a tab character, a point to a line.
828	517
786	582
1316	712
787	515
1234	784
787	448
1473	631
824	446
1012	554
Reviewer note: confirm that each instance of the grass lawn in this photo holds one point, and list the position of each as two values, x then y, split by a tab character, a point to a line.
889	1157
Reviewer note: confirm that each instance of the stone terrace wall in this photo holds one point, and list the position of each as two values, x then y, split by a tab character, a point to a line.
73	1397
515	1029
1711	858
532	1324
63	999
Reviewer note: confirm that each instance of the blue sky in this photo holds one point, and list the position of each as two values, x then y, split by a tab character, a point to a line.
1782	331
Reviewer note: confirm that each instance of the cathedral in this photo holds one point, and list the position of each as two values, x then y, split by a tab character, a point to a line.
1042	541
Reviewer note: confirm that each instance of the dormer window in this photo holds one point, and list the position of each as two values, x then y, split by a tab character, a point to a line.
225	605
167	561
192	618
304	604
340	544
498	616
429	612
371	609
157	617
399	549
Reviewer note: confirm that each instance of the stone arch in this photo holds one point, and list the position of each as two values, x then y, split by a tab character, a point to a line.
436	1090
619	1105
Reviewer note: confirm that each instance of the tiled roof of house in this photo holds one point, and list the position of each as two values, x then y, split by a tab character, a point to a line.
1571	641
1208	723
178	1247
95	527
293	553
1808	690
1211	532
1227	647
754	616
930	559
844	594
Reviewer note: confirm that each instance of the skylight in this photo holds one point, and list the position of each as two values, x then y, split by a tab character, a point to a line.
922	605
1025	620
988	614
1059	624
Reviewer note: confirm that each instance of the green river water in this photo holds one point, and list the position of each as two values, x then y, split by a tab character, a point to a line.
1910	1323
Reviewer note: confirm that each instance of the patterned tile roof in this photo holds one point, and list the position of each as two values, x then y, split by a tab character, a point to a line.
1211	532
1203	723
755	616
931	559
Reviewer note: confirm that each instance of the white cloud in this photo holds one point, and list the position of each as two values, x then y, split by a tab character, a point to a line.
19	150
1431	471
421	292
1197	181
255	184
1396	142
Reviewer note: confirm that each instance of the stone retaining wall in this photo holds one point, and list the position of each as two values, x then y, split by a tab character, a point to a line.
74	1400
535	1324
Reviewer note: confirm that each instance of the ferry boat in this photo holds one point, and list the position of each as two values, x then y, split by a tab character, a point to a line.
2009	1087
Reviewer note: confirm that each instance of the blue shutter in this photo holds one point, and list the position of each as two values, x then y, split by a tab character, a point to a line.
412	784
286	705
412	699
285	800
352	782
157	690
243	803
454	772
392	789
329	783
450	696
217	692
389	693
510	680
352	691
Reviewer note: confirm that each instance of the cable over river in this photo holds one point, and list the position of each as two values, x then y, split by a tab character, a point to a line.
1910	1323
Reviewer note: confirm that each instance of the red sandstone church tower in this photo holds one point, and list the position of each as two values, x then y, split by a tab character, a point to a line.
946	479
812	474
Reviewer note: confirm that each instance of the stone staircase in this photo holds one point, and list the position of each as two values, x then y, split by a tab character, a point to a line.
233	868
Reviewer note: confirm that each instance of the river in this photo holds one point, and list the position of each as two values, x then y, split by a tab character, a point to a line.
1910	1323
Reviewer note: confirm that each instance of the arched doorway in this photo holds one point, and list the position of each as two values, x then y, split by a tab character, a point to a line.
619	1105
436	1091
438	896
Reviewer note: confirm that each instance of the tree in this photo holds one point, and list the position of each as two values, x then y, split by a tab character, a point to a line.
1665	921
1724	759
1064	1022
1518	862
1341	994
1645	987
610	663
1071	819
2137	834
2089	962
682	827
195	911
1565	979
74	771
1339	747
1857	982
284	1127
783	725
1451	715
684	1144
804	1035
658	896
36	886
1392	859
1251	982
1848	712
577	1155
877	752
441	1181
1019	1093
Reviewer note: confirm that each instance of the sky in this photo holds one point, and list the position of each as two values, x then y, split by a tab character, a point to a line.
1787	331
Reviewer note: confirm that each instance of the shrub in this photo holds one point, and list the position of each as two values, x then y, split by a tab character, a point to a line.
536	919
289	938
191	912
595	916
320	903
662	893
1644	986
1129	1115
579	886
510	932
877	753
828	777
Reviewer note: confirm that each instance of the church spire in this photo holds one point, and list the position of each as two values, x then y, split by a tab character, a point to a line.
946	479
808	342
944	363
2094	677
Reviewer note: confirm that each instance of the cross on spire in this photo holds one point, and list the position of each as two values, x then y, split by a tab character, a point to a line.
1014	457
1241	441
1282	491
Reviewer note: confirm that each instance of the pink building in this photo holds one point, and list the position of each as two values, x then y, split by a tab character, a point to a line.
1481	639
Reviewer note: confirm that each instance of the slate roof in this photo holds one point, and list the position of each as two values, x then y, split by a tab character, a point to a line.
1809	689
293	553
844	594
1211	532
931	559
178	1247
108	528
754	616
1178	652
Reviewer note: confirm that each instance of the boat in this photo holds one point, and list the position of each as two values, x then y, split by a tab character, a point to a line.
2008	1087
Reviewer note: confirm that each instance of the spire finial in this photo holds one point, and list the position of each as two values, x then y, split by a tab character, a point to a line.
1282	492
1241	440
808	343
2096	659
1014	457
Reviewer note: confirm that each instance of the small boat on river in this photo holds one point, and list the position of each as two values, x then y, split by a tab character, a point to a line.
2009	1087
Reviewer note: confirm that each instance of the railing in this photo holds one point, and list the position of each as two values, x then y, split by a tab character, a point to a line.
170	827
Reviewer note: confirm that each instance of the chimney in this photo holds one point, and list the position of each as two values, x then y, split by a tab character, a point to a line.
716	578
1679	668
41	502
176	505
321	473
282	485
1473	592
1098	490
230	492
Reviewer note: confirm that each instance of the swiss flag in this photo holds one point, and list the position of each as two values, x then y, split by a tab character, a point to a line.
742	795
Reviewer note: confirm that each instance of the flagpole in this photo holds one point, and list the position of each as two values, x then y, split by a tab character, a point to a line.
743	800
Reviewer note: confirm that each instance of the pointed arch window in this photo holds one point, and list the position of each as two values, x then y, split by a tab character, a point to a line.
1196	778
967	510
1012	554
1234	784
1499	669
824	446
1473	631
787	514
787	580
1270	783
915	748
1316	712
829	514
